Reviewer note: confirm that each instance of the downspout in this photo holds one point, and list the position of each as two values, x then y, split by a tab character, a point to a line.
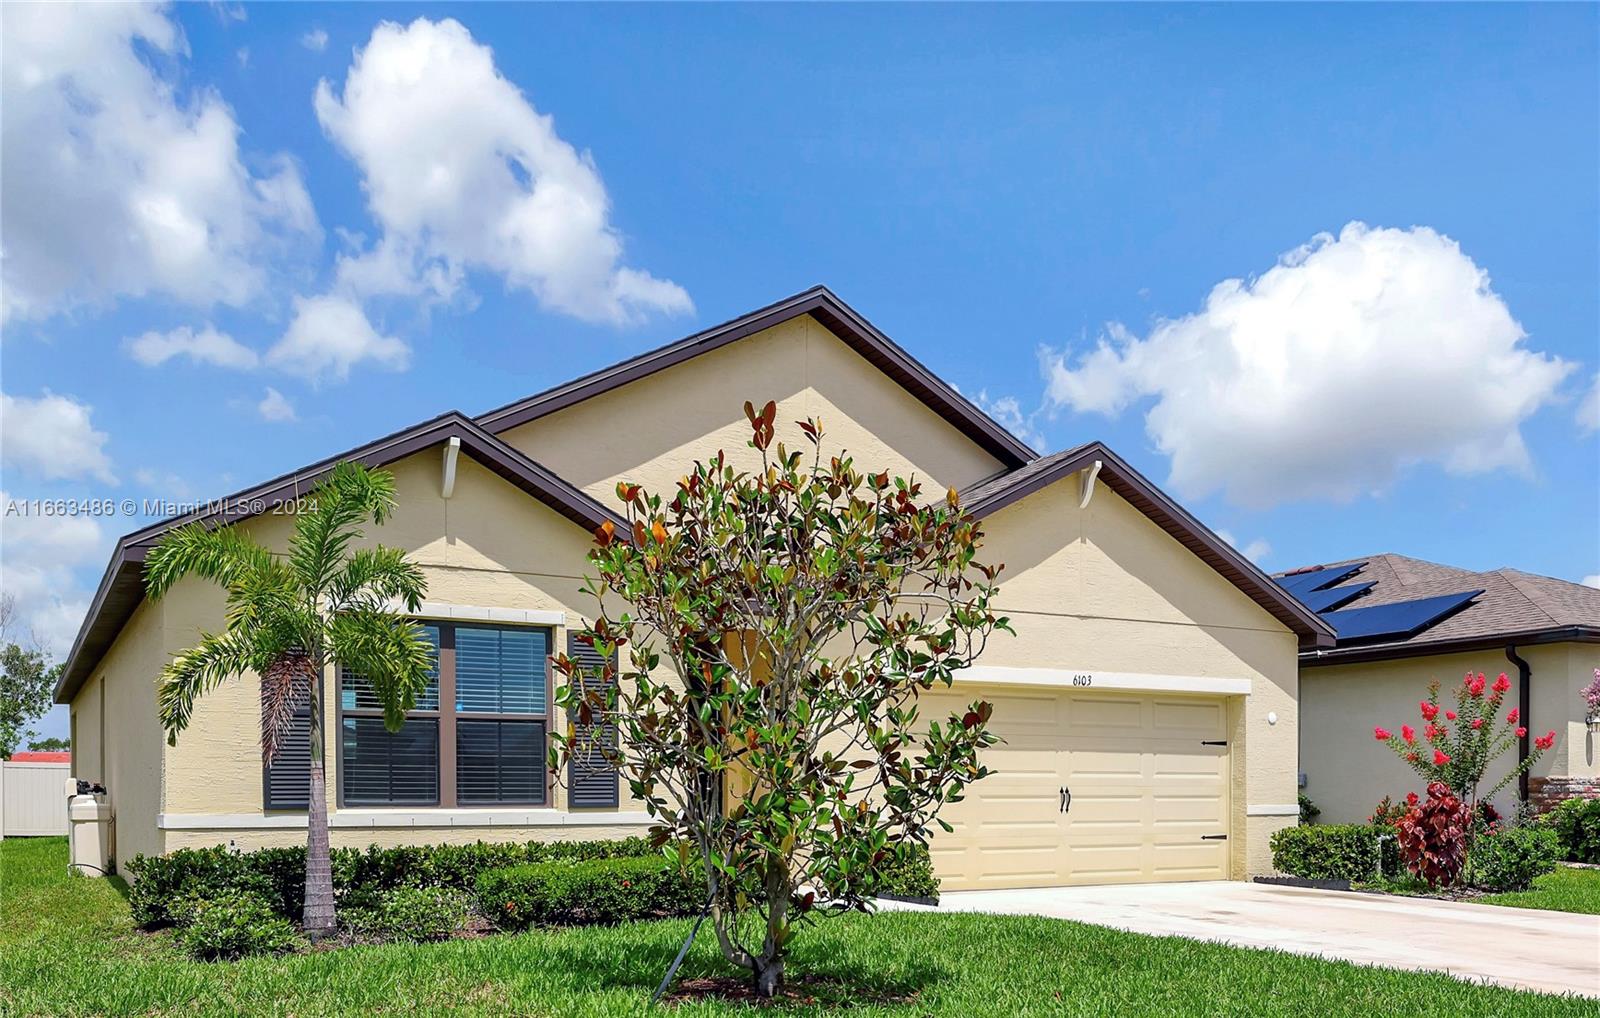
1524	697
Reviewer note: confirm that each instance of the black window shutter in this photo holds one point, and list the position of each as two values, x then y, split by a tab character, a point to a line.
591	778
286	781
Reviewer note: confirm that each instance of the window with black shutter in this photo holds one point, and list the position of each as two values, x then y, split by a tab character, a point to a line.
477	737
591	777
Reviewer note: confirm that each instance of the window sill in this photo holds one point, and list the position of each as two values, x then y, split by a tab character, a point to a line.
402	818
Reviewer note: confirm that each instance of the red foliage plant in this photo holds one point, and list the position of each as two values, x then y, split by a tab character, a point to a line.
1432	836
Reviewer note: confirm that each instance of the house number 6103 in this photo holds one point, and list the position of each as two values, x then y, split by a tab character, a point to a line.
1083	680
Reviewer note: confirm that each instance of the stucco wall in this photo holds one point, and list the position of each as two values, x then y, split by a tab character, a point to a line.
649	432
391	837
119	741
1347	772
1104	589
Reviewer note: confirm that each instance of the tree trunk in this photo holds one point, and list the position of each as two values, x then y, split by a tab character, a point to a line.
769	976
318	917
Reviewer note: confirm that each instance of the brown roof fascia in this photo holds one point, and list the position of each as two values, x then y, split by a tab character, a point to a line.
1135	489
122	587
836	316
1466	644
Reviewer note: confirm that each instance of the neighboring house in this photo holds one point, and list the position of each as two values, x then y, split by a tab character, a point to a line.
1148	701
1402	623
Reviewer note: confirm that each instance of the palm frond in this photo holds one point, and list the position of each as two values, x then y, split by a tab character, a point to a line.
373	577
286	683
195	672
330	520
220	555
390	653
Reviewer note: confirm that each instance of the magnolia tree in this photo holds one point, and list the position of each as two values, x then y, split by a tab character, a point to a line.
778	628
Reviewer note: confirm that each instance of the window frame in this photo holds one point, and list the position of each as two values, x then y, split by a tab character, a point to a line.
446	716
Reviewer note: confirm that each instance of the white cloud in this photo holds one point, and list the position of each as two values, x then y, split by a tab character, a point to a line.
315	40
208	346
1255	551
37	559
1007	410
1588	415
1349	361
116	184
51	436
1592	580
462	173
275	407
328	336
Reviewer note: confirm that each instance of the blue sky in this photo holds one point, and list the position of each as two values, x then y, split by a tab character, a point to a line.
1003	190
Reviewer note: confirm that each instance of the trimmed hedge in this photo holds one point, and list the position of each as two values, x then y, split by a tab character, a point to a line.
1510	859
1328	851
412	914
911	877
360	876
233	927
587	892
1576	823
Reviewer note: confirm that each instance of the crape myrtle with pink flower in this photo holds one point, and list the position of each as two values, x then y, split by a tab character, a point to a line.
1454	751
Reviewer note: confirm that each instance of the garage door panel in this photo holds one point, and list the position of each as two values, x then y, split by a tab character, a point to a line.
1145	792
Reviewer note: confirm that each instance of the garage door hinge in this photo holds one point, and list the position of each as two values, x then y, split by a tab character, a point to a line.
1213	837
1213	742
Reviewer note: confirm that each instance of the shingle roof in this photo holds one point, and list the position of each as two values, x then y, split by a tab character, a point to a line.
1513	604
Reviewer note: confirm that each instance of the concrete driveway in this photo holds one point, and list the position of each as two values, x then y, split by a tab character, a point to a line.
1555	952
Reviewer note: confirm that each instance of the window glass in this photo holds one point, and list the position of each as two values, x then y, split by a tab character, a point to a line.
500	671
380	767
499	762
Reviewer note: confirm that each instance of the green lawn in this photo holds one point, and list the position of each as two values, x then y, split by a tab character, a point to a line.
1568	889
67	947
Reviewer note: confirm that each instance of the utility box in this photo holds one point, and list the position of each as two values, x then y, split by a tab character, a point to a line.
89	833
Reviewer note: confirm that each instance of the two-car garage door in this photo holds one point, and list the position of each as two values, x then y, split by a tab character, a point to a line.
1090	788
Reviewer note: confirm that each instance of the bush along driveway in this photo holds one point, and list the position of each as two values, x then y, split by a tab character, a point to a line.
68	946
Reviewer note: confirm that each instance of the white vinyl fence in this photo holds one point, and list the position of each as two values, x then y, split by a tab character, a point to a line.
33	801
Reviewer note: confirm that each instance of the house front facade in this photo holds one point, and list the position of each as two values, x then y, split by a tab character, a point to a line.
1149	701
1404	623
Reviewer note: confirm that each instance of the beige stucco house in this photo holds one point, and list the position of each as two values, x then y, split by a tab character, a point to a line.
1149	700
1543	633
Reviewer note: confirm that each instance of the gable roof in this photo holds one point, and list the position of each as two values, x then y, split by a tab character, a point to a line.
837	317
993	494
1515	607
122	587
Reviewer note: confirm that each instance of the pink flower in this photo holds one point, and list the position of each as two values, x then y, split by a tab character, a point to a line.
1382	734
1475	686
1408	733
1477	723
1512	717
1432	730
1502	683
1450	714
1440	758
1412	799
1521	732
1429	710
1546	740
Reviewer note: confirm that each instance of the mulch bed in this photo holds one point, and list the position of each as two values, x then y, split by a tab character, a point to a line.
805	990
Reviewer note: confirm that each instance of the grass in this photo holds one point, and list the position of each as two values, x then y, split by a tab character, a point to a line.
1568	889
67	947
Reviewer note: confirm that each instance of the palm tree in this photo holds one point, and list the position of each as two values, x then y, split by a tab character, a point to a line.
288	618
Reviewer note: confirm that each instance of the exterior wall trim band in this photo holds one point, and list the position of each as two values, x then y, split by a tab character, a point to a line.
1088	680
402	819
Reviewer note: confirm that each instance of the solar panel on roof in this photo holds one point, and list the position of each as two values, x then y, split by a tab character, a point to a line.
1300	584
1397	620
1332	597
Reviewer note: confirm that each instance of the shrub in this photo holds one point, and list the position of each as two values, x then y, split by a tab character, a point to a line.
360	876
415	914
1576	823
591	891
233	927
1433	836
1327	851
909	877
1389	812
1509	860
1309	811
